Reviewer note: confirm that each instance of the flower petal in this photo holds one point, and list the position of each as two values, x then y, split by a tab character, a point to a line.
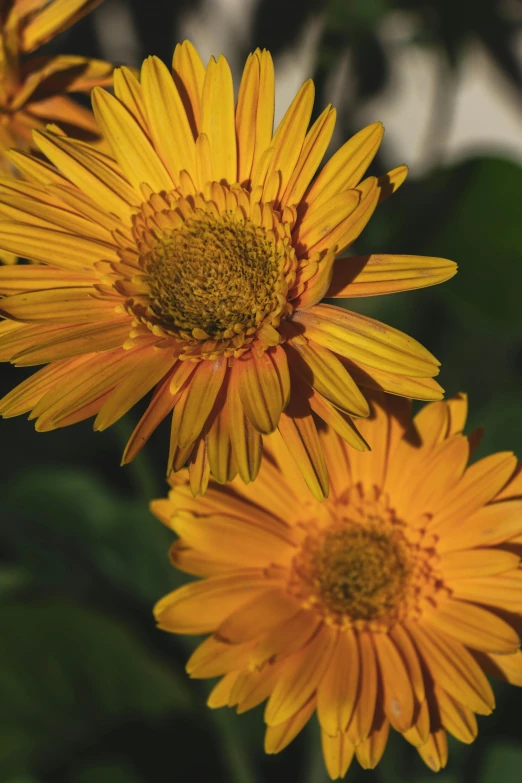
386	274
363	339
217	119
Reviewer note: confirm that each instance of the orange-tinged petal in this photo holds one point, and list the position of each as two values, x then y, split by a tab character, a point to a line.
200	607
201	394
409	656
258	616
345	169
220	693
278	737
507	667
291	636
369	752
453	668
477	562
246	116
260	391
475	627
456	718
489	525
150	371
337	692
398	695
130	146
338	753
434	752
217	119
213	658
480	483
299	677
365	340
339	422
431	423
245	439
298	431
360	726
247	543
503	591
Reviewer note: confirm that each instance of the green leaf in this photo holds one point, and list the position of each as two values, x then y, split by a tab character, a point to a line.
502	762
68	673
475	221
70	532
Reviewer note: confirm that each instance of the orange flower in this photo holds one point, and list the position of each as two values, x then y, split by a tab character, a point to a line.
383	606
32	91
193	261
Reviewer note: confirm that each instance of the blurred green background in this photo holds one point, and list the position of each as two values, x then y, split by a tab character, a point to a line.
90	691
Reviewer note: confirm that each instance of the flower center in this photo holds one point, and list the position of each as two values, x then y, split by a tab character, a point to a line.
364	567
215	273
361	572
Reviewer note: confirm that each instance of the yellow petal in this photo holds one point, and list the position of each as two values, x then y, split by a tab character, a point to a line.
345	169
312	153
456	718
189	74
402	385
260	391
299	433
171	133
321	369
131	389
137	157
60	306
386	274
217	119
365	340
290	134
53	19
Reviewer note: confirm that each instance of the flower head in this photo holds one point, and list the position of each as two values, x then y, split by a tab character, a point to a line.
32	91
385	605
193	260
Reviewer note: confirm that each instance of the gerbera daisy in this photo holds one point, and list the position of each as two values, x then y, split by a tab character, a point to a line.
193	262
32	90
383	606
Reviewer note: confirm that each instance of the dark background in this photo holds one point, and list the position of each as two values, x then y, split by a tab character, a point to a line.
90	691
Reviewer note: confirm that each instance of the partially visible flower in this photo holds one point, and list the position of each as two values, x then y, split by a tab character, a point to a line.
386	605
193	261
33	92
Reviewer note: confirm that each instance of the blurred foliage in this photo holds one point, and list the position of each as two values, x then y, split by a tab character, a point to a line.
90	691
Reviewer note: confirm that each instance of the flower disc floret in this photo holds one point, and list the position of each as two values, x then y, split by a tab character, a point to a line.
212	279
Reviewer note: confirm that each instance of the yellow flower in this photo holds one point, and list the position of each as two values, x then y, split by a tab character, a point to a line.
383	606
32	91
193	262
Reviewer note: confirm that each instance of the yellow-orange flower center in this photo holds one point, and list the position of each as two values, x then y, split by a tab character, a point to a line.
364	567
215	272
